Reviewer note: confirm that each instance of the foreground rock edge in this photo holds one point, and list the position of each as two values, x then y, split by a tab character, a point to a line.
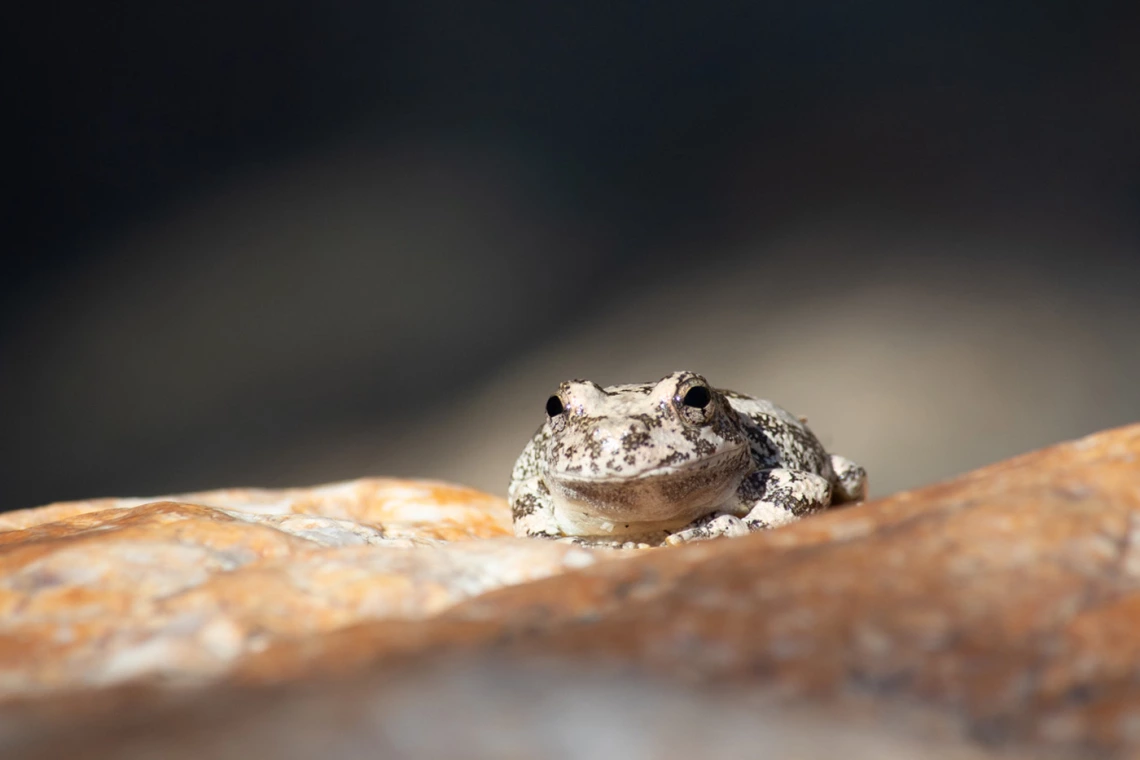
484	707
648	612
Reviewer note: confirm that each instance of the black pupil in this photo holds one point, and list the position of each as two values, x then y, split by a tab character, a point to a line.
554	406
698	397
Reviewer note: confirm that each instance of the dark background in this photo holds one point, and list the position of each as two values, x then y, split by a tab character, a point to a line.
278	243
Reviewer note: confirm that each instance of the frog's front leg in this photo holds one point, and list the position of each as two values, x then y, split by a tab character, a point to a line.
780	496
766	499
713	525
532	509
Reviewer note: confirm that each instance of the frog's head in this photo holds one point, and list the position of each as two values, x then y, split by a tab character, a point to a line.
631	458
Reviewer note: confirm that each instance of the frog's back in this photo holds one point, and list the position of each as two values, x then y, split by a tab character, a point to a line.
778	438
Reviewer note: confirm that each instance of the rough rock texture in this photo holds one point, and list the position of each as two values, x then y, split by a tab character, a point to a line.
998	612
400	508
99	592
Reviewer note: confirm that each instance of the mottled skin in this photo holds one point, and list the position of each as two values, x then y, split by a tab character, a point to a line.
670	462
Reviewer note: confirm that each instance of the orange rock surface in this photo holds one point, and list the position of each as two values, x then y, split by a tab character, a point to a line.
1001	608
100	592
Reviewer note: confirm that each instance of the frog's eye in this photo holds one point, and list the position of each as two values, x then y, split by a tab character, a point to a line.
554	406
698	397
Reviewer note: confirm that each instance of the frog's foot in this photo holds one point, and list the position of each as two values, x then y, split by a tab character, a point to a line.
850	481
714	525
778	496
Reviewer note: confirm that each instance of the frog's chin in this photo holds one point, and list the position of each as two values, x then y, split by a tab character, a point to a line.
659	500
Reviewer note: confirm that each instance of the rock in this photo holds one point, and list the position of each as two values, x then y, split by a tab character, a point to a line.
490	709
994	612
404	508
101	592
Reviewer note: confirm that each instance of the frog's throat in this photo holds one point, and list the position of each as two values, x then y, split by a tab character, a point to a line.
663	499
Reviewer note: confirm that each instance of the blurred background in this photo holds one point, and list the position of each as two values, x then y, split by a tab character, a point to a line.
280	244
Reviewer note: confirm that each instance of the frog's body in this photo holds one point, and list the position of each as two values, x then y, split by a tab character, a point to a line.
670	462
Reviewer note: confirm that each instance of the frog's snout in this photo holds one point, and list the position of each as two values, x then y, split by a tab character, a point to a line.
614	433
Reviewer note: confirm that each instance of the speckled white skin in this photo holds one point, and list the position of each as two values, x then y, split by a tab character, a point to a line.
652	463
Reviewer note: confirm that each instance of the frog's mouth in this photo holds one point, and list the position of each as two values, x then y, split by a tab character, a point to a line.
663	498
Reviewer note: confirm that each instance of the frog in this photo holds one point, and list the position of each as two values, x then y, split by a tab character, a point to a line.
672	462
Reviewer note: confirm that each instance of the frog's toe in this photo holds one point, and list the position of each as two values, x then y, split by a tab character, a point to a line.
712	526
850	480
